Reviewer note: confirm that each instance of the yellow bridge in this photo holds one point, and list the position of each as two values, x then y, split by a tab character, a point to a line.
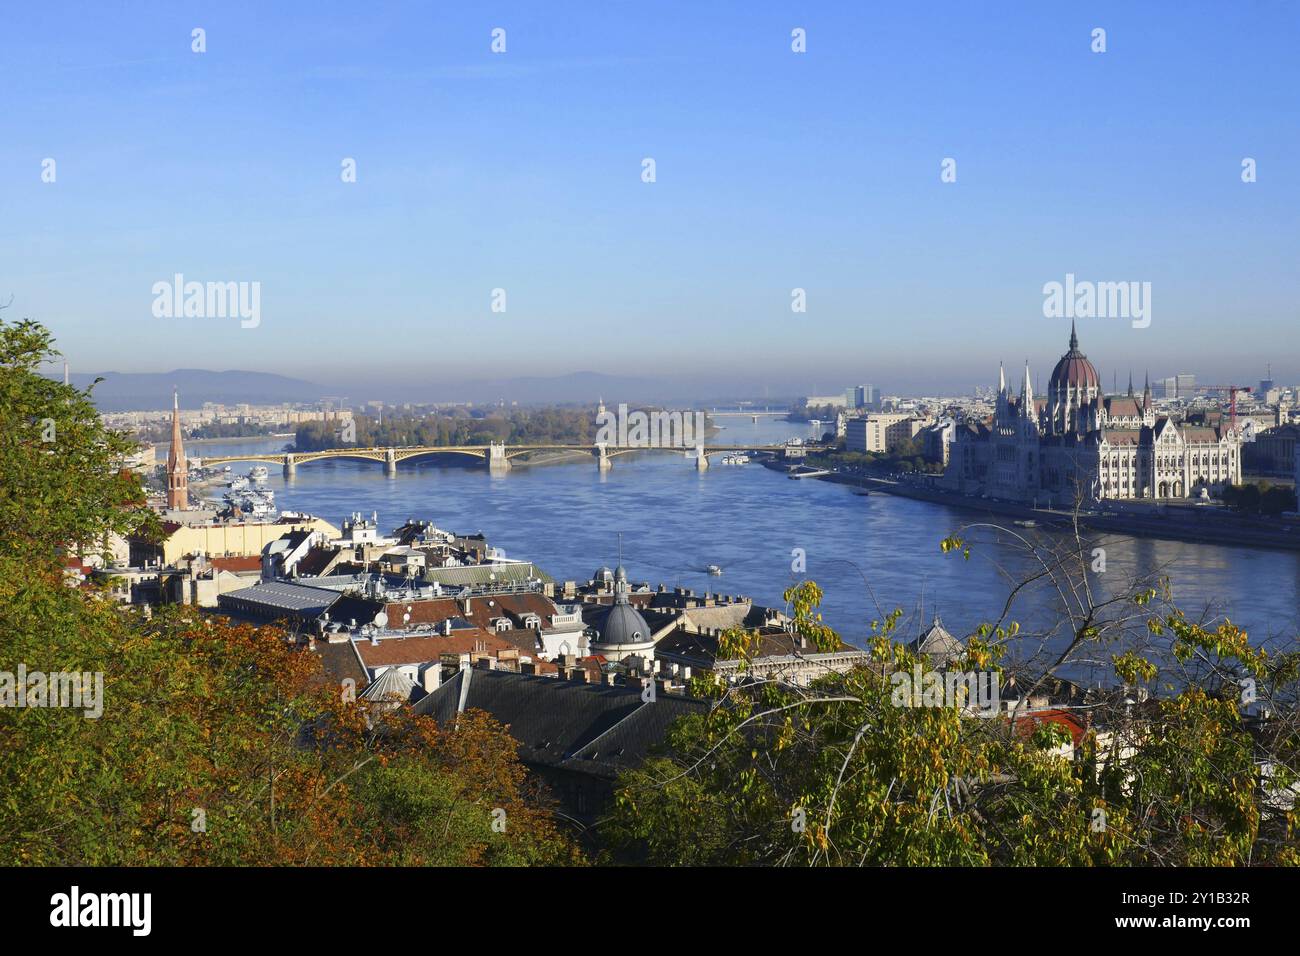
498	456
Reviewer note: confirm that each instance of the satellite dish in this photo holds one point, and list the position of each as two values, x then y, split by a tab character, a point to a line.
381	619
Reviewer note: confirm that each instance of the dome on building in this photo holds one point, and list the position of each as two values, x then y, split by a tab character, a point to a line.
390	689
1074	370
623	625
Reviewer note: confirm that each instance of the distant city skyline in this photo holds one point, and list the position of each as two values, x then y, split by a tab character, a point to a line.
775	171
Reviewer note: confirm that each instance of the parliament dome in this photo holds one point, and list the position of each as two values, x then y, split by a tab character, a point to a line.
1074	371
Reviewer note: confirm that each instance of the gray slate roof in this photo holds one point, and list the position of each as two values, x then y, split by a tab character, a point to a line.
589	728
285	596
938	645
390	687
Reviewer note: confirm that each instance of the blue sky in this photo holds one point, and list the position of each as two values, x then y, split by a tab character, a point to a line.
775	170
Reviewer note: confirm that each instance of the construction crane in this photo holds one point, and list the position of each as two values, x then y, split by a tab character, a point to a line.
1232	391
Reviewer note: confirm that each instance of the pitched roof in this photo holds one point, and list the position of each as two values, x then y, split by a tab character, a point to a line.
283	596
392	686
419	650
1123	407
938	645
589	728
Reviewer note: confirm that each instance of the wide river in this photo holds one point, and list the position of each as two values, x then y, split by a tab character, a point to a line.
747	519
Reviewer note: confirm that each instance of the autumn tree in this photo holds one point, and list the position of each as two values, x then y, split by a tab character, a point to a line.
1186	756
212	743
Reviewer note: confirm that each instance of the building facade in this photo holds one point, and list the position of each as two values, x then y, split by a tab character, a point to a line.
1078	444
880	432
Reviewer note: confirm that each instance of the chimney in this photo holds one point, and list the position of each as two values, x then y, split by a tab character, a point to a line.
432	677
578	675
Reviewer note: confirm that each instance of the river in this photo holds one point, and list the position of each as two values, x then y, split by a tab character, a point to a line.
675	521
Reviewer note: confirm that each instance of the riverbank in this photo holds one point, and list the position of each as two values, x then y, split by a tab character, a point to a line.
1200	525
228	440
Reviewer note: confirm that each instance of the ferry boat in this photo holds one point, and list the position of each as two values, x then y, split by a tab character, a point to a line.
714	570
1025	523
251	502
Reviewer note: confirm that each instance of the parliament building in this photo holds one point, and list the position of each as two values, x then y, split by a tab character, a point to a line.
1077	444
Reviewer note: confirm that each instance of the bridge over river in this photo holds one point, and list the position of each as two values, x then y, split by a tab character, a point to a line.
498	456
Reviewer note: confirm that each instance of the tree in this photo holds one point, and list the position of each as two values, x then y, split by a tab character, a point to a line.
62	483
845	772
205	742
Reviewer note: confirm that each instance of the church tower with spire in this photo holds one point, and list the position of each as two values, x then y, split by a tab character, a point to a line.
178	494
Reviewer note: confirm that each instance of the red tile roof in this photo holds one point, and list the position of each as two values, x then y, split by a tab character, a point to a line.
237	564
417	650
1061	717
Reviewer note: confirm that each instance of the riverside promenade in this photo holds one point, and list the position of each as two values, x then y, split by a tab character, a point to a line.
1179	522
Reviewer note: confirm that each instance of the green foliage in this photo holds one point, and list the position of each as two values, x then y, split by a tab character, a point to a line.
842	774
1259	498
217	744
514	426
62	487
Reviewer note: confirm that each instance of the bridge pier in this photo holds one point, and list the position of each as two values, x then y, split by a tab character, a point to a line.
701	459
603	461
390	463
498	463
290	467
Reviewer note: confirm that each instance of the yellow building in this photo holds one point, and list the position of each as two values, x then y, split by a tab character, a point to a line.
219	540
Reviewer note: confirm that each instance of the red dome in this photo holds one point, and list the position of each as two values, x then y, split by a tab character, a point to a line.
1074	370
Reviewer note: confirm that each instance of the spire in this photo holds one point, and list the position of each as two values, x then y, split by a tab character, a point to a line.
1027	394
1074	338
178	496
1002	379
620	576
1130	383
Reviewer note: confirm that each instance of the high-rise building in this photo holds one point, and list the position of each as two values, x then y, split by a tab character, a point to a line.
1186	385
178	495
861	396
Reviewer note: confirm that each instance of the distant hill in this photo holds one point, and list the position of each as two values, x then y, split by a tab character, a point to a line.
140	391
143	391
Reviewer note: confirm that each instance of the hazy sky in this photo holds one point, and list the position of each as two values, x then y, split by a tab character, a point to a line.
774	170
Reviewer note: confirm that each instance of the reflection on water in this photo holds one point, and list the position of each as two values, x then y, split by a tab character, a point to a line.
675	521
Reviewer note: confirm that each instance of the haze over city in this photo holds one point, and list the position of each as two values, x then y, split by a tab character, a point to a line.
523	172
